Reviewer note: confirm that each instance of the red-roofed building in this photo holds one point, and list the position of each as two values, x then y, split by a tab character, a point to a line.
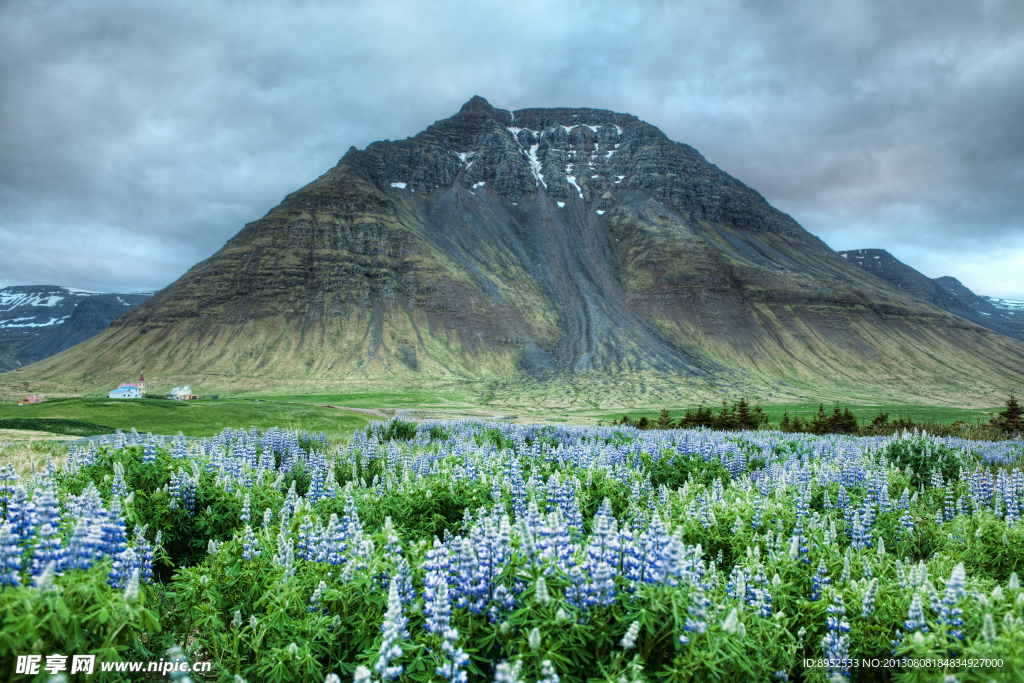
140	385
34	398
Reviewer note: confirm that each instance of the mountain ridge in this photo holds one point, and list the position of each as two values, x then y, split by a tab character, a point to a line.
946	292
589	244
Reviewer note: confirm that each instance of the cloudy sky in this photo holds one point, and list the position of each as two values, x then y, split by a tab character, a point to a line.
137	137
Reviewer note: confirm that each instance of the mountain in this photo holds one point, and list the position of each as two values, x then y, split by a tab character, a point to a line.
566	246
947	293
38	321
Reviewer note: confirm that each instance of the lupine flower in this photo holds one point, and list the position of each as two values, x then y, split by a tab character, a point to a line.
915	616
144	555
114	540
10	556
836	643
541	591
245	510
950	614
503	673
629	640
250	546
394	628
124	564
820	581
314	601
696	622
48	549
869	599
548	672
131	591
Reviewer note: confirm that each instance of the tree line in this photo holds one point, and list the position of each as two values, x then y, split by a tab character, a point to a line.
742	416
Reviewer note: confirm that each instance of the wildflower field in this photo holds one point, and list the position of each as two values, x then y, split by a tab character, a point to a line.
480	551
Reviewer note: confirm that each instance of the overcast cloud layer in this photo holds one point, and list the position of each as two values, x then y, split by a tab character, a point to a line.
138	137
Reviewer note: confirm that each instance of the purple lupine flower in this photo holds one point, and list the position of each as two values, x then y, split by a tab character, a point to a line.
696	622
113	539
124	564
435	592
46	507
820	581
83	546
118	487
314	601
915	616
250	546
48	549
304	548
836	643
144	555
949	613
10	556
869	599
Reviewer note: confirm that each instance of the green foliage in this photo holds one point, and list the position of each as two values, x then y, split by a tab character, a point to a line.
56	426
397	430
673	470
79	613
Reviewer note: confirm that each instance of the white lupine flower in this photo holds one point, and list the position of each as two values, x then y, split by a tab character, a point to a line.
997	593
534	639
1014	582
541	591
732	621
131	591
362	675
988	630
629	640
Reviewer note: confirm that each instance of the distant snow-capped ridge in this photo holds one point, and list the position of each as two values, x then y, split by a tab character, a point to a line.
1005	304
37	321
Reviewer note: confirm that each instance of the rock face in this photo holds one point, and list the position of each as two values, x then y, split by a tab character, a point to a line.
41	320
541	242
947	293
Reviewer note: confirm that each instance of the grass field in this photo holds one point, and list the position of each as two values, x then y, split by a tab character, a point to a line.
205	417
192	418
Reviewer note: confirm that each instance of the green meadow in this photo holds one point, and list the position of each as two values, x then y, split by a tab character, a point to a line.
192	418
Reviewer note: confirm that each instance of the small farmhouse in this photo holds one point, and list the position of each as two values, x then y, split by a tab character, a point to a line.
34	398
125	392
183	394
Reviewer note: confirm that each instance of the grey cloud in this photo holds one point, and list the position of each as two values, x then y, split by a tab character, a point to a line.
139	137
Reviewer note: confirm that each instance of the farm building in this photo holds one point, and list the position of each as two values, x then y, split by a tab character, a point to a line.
125	392
34	398
183	394
140	385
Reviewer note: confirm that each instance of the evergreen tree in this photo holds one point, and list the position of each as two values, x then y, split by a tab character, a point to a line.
664	420
1012	419
743	415
785	425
